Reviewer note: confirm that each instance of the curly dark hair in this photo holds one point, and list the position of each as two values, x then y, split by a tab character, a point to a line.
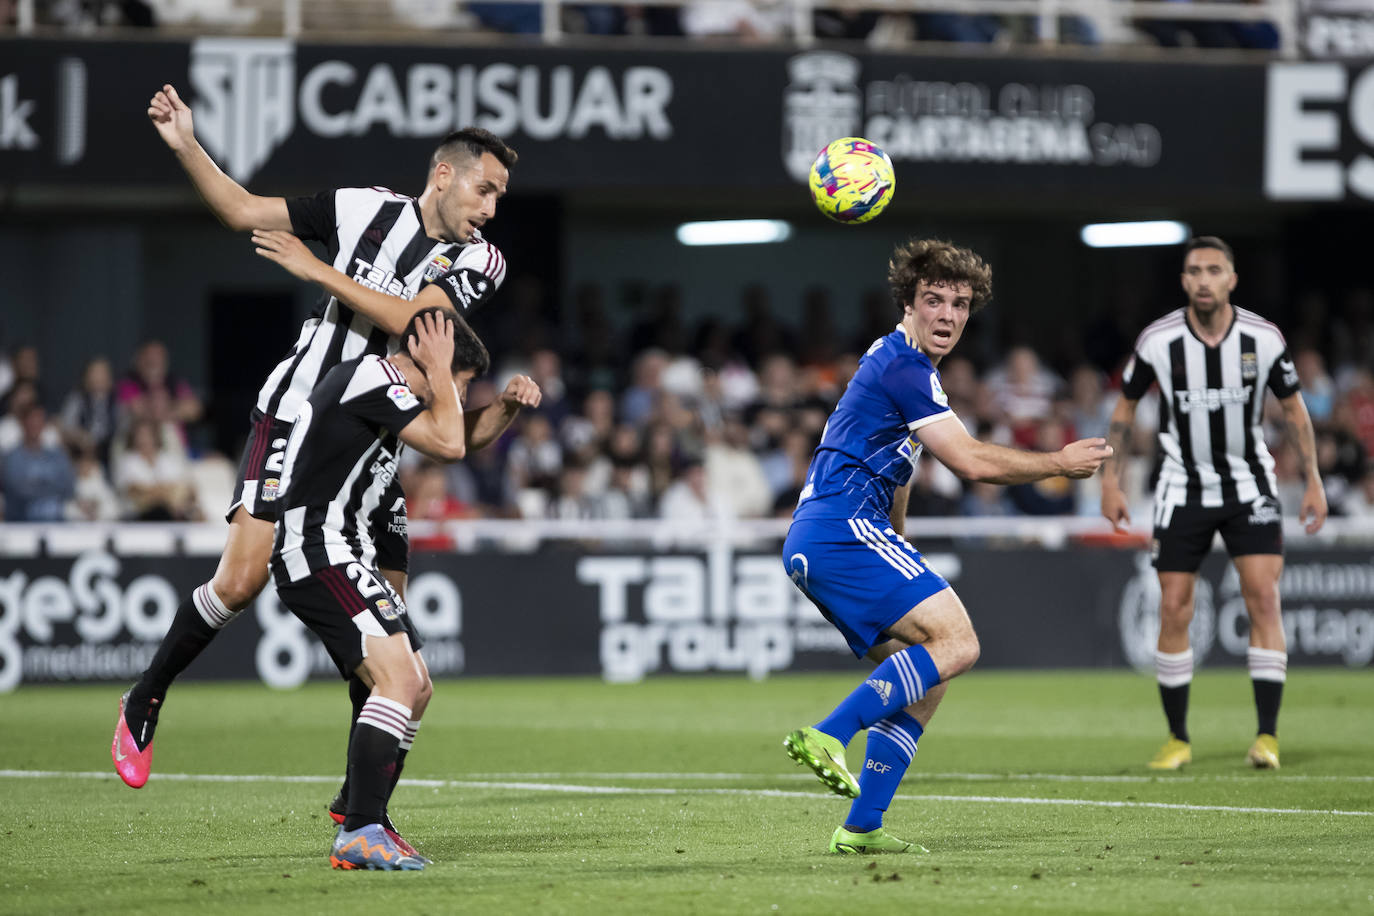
933	260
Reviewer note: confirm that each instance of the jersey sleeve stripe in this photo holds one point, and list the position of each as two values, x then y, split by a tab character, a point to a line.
926	421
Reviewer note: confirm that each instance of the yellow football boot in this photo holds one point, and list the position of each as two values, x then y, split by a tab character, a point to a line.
1264	753
1172	755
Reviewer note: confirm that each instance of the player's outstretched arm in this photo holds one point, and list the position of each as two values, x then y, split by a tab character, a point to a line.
1298	424
390	313
437	431
486	424
1115	505
226	198
973	459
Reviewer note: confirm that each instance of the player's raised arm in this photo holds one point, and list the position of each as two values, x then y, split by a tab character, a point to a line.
227	199
438	431
1115	506
390	313
984	462
486	424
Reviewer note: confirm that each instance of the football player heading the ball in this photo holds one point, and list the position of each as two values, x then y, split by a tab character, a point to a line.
852	180
846	551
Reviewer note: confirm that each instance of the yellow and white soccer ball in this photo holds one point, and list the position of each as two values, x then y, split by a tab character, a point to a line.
852	180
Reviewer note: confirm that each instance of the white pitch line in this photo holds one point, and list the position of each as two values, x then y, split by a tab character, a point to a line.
573	788
959	777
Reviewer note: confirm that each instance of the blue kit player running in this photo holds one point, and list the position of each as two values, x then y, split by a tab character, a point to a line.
845	549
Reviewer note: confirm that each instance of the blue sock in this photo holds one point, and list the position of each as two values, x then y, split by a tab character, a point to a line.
902	679
891	745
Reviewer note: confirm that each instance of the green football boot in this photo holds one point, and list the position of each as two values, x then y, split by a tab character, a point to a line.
825	756
874	841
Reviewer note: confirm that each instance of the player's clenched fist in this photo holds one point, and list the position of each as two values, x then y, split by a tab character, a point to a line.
521	391
1082	458
172	117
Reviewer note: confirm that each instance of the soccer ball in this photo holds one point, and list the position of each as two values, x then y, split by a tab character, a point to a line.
852	180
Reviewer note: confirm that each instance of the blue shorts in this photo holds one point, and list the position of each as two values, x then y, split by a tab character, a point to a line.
863	577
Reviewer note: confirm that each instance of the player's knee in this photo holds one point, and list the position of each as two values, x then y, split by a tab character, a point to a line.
425	691
237	587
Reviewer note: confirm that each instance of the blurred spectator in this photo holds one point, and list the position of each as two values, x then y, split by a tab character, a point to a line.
1053	495
689	499
535	458
760	334
734	471
1023	391
637	401
661	458
1342	462
1360	502
1090	407
661	326
24	367
428	499
1318	390
1355	410
24	395
959	27
571	500
935	489
88	414
93	499
149	392
985	500
151	479
627	492
1211	33
37	479
748	20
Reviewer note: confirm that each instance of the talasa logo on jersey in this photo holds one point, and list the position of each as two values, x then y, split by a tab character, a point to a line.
821	102
383	281
245	99
1211	399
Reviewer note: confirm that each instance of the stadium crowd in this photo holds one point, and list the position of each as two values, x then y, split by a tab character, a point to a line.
746	21
703	421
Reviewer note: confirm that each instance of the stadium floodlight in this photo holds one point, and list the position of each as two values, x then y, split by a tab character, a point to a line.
734	232
1134	235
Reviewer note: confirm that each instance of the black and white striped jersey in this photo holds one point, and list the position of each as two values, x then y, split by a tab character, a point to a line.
1211	403
340	458
376	237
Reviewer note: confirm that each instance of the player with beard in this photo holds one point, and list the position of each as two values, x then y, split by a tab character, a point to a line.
1213	361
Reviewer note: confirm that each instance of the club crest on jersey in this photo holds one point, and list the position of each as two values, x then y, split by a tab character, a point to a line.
438	266
1249	366
937	392
405	398
387	610
271	487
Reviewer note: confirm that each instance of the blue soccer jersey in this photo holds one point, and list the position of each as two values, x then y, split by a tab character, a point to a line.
868	449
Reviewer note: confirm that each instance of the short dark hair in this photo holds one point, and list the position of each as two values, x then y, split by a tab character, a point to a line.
471	143
468	350
935	260
1208	241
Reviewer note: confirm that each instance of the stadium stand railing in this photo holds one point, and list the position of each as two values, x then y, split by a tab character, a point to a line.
19	540
443	18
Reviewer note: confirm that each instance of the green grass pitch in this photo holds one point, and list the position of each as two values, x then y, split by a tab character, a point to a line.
674	796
